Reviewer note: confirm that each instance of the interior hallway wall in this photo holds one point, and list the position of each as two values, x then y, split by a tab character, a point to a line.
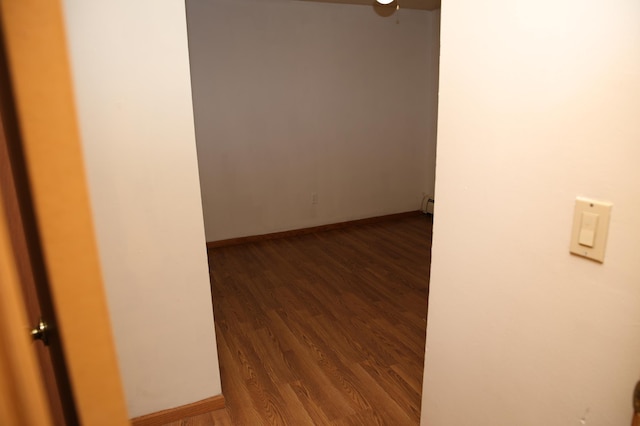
539	104
293	99
131	74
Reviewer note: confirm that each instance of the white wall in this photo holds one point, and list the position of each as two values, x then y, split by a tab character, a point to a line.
539	103
131	73
295	98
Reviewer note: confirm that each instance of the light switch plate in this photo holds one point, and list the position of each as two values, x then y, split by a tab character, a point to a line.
590	228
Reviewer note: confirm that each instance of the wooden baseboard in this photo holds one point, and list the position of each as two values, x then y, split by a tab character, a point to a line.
311	230
173	414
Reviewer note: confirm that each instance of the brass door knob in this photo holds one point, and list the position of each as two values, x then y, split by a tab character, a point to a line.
41	332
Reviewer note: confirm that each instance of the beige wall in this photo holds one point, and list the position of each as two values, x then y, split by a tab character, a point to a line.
131	73
539	103
296	98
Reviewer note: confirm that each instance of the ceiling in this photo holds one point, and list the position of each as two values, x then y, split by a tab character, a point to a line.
404	4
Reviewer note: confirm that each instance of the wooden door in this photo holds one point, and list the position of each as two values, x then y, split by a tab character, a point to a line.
56	191
22	395
28	256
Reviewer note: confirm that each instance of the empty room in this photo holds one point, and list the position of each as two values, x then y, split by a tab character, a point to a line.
316	123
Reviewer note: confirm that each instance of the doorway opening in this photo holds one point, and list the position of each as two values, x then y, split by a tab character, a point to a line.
310	114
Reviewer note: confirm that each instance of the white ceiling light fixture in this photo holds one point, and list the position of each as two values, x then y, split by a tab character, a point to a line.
385	1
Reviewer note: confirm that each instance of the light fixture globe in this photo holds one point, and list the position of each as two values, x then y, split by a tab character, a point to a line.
385	1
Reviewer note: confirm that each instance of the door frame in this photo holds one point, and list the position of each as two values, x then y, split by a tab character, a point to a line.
33	35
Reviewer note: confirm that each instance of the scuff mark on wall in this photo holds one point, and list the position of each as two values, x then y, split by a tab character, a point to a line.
583	420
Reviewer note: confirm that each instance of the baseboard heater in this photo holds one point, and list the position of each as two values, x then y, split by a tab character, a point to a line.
430	205
427	207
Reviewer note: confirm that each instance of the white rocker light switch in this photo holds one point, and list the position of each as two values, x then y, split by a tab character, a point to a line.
590	228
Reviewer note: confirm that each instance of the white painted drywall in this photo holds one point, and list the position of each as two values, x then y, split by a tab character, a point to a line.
131	75
296	98
539	103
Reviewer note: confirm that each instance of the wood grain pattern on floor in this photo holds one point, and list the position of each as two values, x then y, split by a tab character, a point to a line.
323	329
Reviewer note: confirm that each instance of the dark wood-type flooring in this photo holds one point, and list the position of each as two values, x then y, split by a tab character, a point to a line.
323	329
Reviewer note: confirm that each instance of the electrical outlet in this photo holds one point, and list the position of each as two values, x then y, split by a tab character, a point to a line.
314	198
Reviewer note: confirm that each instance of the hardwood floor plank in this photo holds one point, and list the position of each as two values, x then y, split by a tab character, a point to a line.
325	328
238	400
318	347
398	389
366	417
408	375
385	407
311	404
313	380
